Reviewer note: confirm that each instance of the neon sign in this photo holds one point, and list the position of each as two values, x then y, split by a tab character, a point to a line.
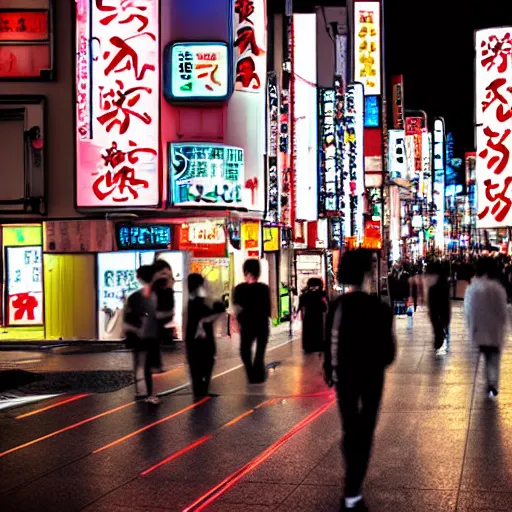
206	174
273	195
143	236
117	121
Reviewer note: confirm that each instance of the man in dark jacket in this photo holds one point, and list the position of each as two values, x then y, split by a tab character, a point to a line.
439	305
360	344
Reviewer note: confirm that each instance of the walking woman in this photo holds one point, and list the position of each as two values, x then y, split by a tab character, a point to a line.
313	306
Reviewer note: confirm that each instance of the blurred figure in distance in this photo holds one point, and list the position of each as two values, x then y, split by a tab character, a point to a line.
313	306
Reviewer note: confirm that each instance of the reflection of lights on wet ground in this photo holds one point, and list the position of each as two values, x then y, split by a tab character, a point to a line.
6	403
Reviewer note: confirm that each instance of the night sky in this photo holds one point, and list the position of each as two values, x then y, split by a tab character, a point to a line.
430	42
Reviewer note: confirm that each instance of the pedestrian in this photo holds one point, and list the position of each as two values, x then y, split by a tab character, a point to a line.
251	301
485	312
313	306
199	334
141	330
439	306
357	352
163	283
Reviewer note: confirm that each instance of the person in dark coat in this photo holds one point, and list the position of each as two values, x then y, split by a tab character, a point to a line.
313	305
360	344
199	335
439	305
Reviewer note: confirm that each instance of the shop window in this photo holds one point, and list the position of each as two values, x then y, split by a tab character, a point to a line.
26	40
22	154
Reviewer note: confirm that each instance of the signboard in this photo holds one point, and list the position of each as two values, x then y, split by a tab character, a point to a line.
414	129
372	235
75	236
250	45
493	73
206	175
117	104
271	239
439	180
367	46
197	72
397	164
143	236
251	239
398	102
205	239
273	179
24	285
371	112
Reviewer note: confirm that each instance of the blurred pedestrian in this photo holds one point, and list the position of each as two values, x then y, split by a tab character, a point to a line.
356	355
439	306
141	330
163	283
251	301
199	334
313	306
485	312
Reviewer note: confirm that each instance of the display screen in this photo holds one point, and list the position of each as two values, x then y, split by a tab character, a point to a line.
206	175
143	237
197	71
25	285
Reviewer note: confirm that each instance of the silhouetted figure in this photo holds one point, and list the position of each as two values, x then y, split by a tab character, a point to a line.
439	305
485	311
360	345
313	306
199	334
251	302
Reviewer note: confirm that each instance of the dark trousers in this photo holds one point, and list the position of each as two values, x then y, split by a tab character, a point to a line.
255	369
359	408
142	364
201	368
440	330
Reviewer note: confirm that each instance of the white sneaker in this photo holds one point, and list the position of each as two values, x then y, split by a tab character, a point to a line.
153	400
441	351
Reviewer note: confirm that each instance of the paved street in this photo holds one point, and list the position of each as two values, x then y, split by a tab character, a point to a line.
441	444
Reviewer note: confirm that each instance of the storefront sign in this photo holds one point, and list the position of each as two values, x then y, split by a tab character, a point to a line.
251	239
397	165
197	72
273	181
118	120
204	239
74	236
250	45
143	236
413	128
371	112
372	235
24	285
398	103
426	165
271	239
494	134
206	175
367	46
329	173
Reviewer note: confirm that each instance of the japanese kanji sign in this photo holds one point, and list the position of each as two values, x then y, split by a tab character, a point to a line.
143	236
117	103
250	45
397	164
367	46
494	126
206	175
197	71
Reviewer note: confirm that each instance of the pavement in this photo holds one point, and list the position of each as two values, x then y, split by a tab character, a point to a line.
441	444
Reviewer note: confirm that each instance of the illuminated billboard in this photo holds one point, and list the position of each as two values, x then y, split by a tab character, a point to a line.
438	153
117	105
203	174
397	162
143	236
197	72
367	46
493	75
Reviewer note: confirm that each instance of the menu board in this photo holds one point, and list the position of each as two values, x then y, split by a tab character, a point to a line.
143	236
24	285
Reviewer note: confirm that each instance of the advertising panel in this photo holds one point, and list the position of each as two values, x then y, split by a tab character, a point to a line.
398	102
367	46
397	164
439	180
197	71
73	236
117	104
203	174
273	178
413	128
371	112
24	285
205	239
143	236
493	74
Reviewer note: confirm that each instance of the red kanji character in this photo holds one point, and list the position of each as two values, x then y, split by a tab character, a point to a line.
500	162
495	49
246	73
125	4
499	199
244	9
246	38
213	70
124	180
493	95
116	106
24	304
128	53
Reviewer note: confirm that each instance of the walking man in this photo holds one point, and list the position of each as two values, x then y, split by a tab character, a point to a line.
356	356
251	302
485	311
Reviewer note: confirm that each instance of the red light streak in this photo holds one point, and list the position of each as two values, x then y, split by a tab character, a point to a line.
154	424
57	404
65	429
220	489
177	454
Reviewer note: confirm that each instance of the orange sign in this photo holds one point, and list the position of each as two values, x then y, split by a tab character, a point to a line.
372	235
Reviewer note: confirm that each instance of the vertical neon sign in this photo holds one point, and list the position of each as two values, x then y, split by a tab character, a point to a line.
439	180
